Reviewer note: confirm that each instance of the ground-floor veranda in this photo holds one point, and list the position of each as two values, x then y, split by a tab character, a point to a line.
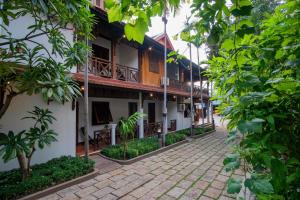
107	105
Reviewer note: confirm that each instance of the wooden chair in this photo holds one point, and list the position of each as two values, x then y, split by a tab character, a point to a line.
103	135
172	125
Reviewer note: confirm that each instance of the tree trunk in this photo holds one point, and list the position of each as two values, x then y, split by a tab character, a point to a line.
29	160
7	102
23	165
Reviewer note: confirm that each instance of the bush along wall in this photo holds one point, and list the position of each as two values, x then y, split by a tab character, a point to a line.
173	138
135	148
44	175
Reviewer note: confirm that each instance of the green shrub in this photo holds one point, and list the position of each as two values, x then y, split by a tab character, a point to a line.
43	175
135	148
184	132
172	138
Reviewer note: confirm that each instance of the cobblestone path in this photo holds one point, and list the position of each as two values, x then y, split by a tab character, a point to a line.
190	171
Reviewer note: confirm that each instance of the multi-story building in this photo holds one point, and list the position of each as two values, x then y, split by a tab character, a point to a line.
124	77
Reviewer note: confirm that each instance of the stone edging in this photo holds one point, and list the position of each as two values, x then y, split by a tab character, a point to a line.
202	135
130	161
60	186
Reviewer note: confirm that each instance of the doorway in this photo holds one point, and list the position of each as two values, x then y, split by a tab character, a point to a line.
151	112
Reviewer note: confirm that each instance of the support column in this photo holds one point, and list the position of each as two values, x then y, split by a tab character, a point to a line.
141	121
113	134
208	104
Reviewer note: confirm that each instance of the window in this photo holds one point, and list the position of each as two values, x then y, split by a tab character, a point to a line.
154	62
101	113
132	108
100	52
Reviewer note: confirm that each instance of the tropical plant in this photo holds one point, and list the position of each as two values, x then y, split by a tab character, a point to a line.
254	63
22	145
127	127
28	64
257	77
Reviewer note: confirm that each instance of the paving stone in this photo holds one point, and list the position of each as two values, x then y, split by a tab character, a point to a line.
51	197
87	183
71	196
103	177
201	184
128	197
176	192
89	197
138	193
218	184
103	183
103	192
205	198
86	191
193	193
212	192
166	197
225	198
222	178
184	184
69	190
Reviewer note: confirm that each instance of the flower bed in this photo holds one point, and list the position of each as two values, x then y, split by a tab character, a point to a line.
202	130
172	138
135	148
44	175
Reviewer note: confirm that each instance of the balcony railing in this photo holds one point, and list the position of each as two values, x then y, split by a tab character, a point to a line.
182	86
173	83
105	68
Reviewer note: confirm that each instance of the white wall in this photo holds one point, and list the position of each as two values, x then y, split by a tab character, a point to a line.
18	28
127	56
118	109
65	126
181	121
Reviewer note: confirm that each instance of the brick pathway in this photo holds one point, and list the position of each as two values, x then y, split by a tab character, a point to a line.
191	171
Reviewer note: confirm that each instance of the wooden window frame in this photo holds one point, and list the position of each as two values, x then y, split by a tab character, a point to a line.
103	109
154	59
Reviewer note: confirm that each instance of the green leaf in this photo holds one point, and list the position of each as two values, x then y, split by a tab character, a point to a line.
228	44
115	13
279	172
234	186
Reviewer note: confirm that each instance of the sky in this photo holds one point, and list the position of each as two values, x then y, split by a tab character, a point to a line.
174	26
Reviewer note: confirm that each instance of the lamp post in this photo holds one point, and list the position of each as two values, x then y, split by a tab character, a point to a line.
201	88
165	111
86	103
192	85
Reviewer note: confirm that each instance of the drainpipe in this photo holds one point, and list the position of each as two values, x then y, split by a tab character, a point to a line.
201	88
192	87
86	103
141	121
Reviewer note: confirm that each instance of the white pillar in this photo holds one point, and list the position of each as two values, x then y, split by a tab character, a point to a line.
113	134
141	121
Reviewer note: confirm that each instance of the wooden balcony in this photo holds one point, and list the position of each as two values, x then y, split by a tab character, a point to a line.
105	68
176	84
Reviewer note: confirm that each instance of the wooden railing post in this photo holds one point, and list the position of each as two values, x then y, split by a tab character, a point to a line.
113	59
